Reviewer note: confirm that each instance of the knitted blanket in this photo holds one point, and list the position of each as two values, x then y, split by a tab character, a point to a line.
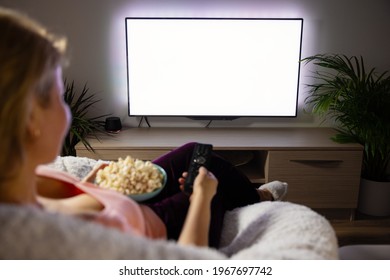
267	230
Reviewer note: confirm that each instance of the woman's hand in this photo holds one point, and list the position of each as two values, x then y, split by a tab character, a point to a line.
182	180
90	178
196	226
205	183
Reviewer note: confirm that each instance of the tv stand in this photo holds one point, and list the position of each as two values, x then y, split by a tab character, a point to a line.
321	174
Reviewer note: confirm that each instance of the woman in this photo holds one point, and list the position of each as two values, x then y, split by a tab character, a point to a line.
34	120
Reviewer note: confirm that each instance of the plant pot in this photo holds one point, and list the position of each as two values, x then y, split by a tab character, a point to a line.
374	198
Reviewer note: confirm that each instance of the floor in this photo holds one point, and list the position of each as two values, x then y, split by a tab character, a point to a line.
363	229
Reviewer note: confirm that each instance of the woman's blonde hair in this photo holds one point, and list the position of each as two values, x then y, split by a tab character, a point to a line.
29	54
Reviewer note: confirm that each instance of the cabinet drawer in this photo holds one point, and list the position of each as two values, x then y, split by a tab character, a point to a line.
318	179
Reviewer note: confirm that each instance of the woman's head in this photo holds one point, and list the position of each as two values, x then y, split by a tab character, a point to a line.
30	63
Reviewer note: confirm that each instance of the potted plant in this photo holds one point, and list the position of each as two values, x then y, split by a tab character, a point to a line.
359	103
82	123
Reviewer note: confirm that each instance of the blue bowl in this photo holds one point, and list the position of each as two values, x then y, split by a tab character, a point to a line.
145	196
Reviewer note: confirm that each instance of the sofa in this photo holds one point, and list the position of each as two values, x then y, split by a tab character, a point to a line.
266	231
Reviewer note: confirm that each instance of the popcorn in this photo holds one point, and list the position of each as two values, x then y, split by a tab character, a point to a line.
130	176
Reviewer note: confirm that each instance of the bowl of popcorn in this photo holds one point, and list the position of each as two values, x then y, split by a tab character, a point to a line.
138	179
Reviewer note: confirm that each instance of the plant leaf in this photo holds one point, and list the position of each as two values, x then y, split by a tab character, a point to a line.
83	125
358	101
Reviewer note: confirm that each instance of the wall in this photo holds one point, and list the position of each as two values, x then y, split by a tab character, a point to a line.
95	30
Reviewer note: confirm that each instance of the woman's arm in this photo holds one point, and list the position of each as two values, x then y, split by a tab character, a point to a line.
196	226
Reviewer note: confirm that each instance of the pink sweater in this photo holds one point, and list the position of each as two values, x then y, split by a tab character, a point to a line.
119	211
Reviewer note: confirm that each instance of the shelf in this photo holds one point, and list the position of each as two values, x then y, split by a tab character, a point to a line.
254	174
250	162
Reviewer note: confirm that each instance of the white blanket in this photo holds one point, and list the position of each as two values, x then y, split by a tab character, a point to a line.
267	230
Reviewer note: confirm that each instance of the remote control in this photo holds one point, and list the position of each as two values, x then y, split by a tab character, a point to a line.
200	157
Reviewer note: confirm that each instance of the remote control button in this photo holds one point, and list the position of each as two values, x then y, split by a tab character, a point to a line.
200	160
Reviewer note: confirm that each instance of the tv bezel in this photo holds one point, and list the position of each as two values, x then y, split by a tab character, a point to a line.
215	117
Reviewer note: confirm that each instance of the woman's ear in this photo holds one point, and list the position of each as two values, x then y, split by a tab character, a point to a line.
34	120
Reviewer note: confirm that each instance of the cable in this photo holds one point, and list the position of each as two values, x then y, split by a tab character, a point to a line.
140	122
146	120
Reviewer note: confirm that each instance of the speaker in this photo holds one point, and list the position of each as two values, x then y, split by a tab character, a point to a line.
113	124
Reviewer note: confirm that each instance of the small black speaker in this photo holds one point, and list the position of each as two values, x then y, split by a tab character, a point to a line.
113	124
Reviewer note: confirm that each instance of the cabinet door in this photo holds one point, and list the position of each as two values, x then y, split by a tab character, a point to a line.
318	179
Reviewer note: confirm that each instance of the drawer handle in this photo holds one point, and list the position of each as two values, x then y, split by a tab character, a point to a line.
314	161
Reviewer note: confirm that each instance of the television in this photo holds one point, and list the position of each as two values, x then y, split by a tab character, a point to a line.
213	68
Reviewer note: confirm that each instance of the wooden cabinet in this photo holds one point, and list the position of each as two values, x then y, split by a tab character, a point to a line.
318	179
321	174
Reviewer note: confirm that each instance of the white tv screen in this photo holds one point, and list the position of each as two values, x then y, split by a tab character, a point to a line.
213	67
